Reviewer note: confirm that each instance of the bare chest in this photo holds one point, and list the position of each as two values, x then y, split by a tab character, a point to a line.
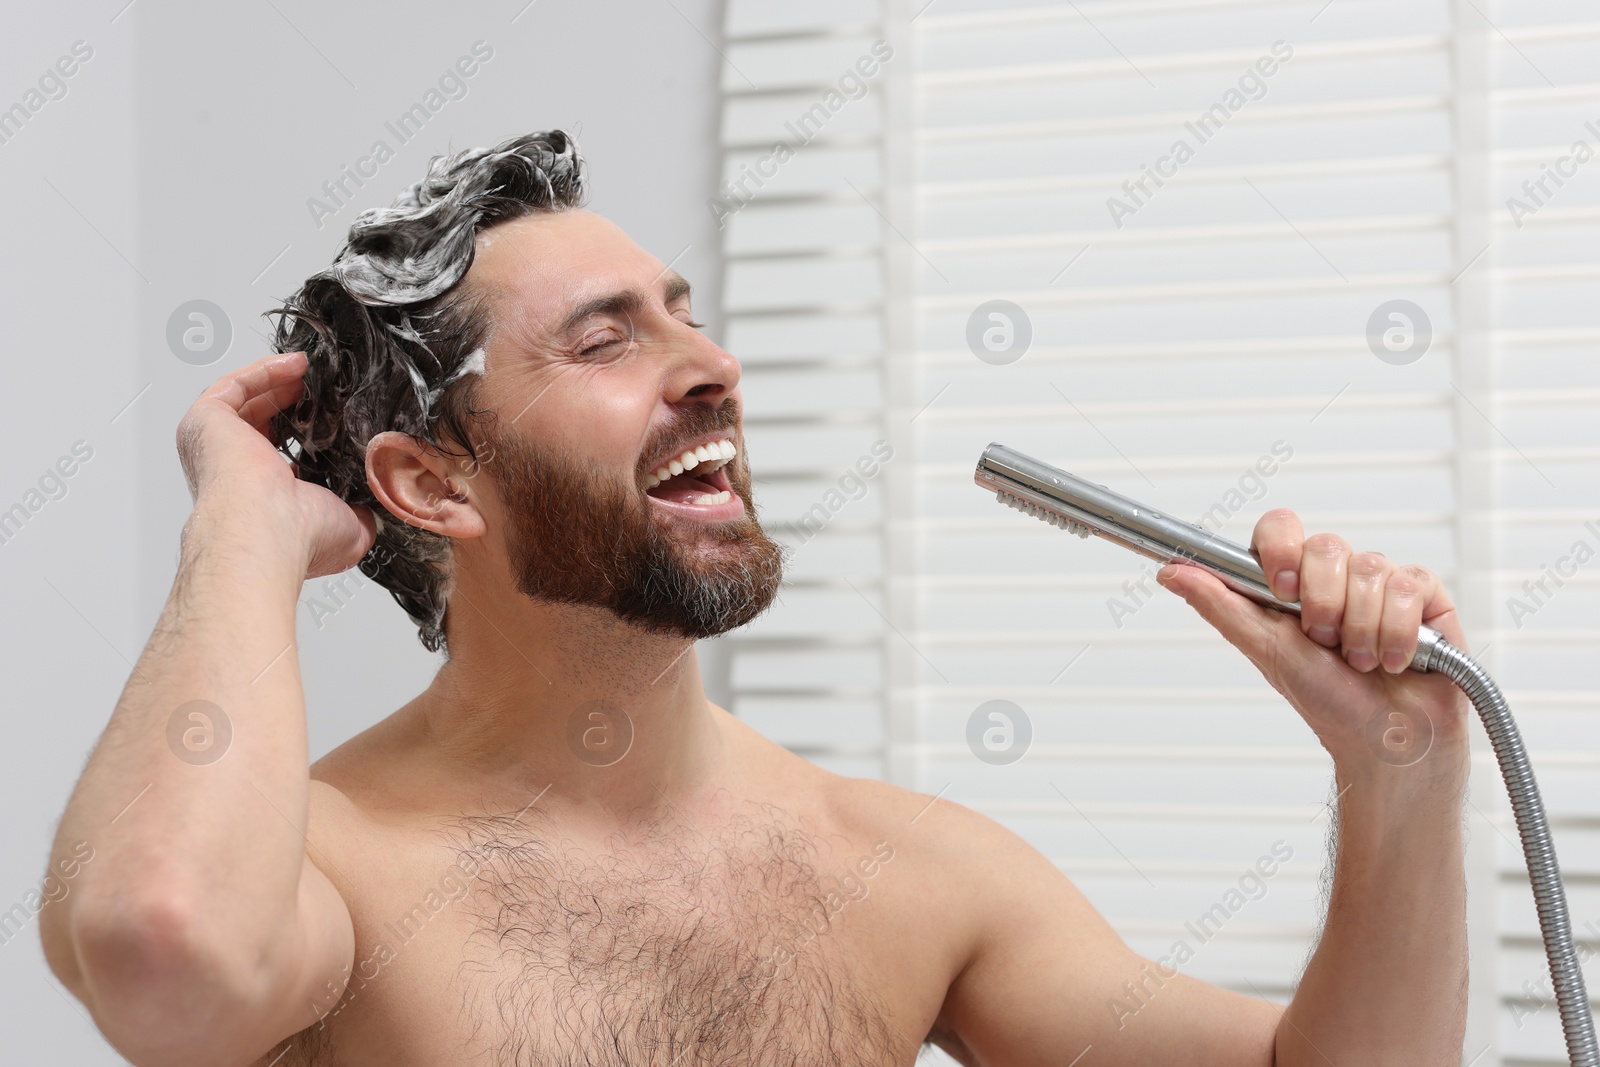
760	944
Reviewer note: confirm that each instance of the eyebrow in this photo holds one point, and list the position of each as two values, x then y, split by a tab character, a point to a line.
626	302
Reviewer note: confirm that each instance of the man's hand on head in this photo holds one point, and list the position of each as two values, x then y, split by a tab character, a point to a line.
239	480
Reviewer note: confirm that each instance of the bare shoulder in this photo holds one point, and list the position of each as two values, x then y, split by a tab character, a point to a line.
352	804
358	763
858	806
958	839
928	828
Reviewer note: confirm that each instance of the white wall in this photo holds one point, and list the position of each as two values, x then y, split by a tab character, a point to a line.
182	157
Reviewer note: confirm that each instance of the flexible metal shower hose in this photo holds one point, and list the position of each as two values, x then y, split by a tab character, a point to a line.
1543	872
1073	504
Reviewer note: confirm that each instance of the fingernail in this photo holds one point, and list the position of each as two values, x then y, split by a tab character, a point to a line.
1288	583
1361	659
1166	574
1325	635
1395	662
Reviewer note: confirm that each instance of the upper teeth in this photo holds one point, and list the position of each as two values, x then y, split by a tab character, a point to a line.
707	458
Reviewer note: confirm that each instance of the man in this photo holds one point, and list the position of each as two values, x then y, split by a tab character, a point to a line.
561	852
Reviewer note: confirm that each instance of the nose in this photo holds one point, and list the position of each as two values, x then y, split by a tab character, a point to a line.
701	370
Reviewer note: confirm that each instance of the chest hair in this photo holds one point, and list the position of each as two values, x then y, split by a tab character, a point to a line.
672	948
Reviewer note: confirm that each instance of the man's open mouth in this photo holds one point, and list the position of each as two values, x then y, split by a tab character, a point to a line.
695	476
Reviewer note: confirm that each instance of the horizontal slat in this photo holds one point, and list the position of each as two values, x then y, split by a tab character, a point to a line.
1215	63
827	225
781	284
803	62
758	18
1176	123
1073	241
1245	147
1107	178
1071	39
1318	277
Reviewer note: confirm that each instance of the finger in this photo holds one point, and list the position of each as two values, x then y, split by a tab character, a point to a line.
1246	625
331	559
1406	592
1323	586
259	410
1363	608
1276	543
238	387
369	523
1440	613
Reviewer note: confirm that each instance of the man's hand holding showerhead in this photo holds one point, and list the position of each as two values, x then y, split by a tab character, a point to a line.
236	473
1342	664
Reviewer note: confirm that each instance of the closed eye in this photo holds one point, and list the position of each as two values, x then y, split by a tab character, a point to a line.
603	343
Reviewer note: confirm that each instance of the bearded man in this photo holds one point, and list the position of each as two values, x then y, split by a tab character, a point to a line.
561	852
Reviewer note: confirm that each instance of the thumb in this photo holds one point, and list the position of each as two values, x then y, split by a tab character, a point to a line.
343	544
1245	624
369	526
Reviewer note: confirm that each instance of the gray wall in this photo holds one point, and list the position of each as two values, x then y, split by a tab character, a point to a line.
177	167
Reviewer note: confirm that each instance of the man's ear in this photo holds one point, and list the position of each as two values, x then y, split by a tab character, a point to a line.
421	486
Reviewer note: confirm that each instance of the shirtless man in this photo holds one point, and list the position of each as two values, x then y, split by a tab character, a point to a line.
561	852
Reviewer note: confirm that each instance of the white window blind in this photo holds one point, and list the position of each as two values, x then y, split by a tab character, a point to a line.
1205	328
1535	303
806	314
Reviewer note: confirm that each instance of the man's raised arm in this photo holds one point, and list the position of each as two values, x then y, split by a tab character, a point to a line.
1049	983
1388	981
199	932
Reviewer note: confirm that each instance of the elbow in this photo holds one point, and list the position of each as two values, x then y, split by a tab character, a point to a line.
164	990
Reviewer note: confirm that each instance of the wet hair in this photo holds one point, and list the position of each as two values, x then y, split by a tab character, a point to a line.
393	341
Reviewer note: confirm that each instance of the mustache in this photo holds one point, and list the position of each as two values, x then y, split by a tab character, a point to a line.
692	423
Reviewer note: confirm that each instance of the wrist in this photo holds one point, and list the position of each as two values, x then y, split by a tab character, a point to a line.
1374	790
269	533
1406	744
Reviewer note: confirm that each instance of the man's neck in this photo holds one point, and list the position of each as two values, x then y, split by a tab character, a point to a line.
605	715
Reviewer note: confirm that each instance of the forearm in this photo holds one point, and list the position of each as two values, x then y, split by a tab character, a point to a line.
1388	982
195	852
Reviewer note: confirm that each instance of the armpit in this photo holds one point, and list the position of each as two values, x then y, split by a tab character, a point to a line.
948	1040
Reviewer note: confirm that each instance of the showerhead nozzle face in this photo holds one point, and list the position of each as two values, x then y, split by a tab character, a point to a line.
1079	506
1050	515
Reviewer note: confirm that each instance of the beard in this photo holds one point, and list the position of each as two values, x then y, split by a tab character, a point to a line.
578	535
